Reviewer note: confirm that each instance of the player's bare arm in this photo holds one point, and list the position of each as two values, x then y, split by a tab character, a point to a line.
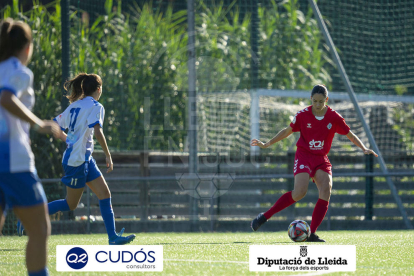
102	141
278	137
63	136
354	139
13	105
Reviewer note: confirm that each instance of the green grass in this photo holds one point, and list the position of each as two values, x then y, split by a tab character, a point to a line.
378	252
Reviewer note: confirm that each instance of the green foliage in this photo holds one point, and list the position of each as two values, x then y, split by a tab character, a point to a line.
141	56
400	89
291	48
139	70
223	48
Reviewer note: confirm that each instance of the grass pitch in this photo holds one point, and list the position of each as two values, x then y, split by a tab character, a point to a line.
378	252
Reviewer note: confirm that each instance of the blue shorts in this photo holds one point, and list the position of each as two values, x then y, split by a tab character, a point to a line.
76	177
20	190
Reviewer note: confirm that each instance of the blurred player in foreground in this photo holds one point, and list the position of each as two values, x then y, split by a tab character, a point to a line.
317	125
20	188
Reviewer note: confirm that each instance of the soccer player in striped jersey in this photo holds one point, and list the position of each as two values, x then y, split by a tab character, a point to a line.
20	188
83	118
317	125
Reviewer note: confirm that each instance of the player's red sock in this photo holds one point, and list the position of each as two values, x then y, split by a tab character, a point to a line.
319	213
284	201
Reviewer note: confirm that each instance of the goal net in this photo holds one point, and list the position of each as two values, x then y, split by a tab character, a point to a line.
227	121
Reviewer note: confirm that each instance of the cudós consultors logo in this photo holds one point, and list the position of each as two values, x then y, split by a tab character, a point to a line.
77	258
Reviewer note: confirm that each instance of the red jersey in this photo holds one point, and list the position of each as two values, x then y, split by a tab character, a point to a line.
316	135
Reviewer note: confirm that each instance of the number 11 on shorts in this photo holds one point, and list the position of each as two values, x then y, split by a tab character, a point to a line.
74	182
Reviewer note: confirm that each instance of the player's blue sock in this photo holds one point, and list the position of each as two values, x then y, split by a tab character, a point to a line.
108	216
43	272
58	205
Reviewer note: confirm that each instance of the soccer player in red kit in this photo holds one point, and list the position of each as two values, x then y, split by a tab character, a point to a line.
317	125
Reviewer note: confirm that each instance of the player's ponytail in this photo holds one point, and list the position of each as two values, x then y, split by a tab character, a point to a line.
82	85
4	38
14	37
320	89
74	86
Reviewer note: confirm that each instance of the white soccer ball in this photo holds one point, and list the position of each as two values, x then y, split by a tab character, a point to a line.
298	231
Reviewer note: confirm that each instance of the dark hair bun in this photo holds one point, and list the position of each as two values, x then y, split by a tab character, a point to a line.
320	89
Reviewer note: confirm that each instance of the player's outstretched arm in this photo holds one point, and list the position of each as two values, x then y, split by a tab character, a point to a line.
278	137
102	141
354	139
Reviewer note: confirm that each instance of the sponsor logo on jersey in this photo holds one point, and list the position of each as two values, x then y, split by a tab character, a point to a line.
309	125
316	144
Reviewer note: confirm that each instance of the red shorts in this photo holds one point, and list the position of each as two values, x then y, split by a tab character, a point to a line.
306	162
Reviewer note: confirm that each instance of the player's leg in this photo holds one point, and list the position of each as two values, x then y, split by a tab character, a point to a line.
299	191
37	226
73	197
98	185
2	219
25	195
323	181
300	187
100	188
75	181
2	211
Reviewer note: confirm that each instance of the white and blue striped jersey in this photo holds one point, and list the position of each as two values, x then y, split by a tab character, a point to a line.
15	152
79	119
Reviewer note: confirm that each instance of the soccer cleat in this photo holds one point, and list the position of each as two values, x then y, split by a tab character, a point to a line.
119	240
20	228
314	238
258	221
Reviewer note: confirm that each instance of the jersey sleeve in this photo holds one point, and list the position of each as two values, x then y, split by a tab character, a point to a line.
19	81
341	127
295	124
96	116
61	120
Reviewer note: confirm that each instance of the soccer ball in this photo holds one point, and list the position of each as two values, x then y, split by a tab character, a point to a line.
298	231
